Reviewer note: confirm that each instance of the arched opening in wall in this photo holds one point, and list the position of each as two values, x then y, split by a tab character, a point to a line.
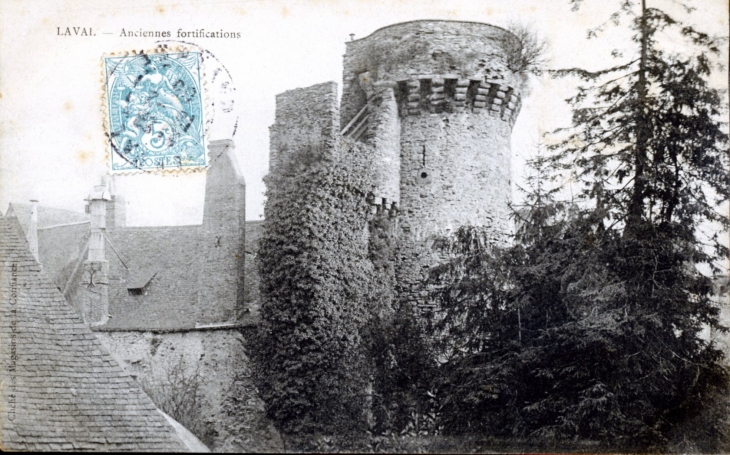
425	92
401	97
449	94
471	94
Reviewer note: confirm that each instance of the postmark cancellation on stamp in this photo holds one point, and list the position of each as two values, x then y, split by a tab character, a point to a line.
155	111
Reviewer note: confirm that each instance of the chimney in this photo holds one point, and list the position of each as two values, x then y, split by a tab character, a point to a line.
116	210
94	294
33	228
223	247
97	207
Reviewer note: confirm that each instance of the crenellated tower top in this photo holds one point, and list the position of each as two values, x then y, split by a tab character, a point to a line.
434	66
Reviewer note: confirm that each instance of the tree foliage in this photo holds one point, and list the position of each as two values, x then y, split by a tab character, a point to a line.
589	328
399	353
646	143
403	371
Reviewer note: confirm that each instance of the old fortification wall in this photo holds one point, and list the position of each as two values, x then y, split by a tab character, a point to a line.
433	103
222	243
412	52
381	123
306	118
456	103
209	369
455	171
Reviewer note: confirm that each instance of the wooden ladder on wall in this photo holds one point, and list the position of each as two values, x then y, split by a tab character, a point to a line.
357	126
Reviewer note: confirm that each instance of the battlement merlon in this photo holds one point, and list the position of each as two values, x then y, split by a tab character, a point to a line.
434	62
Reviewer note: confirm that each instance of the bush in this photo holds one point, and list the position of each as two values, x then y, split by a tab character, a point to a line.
176	390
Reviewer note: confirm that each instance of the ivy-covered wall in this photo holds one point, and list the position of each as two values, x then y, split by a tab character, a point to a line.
315	275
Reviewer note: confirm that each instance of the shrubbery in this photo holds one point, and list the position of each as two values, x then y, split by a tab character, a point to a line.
335	352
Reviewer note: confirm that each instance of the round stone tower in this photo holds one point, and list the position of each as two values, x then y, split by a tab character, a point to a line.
437	102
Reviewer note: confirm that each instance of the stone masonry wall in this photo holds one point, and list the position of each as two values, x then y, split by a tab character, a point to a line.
305	117
222	244
465	181
455	170
403	52
383	136
457	102
161	363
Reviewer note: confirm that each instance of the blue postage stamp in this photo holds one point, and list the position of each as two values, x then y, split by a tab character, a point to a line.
155	111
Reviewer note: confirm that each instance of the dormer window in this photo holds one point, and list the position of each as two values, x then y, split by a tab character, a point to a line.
139	280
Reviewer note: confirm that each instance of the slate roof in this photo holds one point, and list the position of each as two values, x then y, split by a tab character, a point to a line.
47	216
169	256
60	249
60	389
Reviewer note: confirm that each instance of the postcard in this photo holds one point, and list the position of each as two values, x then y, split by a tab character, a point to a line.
217	214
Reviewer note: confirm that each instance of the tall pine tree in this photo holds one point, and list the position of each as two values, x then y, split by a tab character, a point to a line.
590	327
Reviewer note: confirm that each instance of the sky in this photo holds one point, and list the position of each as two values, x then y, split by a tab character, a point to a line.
52	142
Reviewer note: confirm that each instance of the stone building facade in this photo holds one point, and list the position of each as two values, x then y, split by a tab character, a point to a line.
434	102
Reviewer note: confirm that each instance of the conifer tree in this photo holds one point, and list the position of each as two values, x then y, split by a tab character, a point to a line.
590	327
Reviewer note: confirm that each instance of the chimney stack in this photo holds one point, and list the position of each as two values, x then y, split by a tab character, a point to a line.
97	207
223	247
95	280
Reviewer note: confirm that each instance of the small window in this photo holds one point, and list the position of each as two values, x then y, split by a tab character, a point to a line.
136	291
424	176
